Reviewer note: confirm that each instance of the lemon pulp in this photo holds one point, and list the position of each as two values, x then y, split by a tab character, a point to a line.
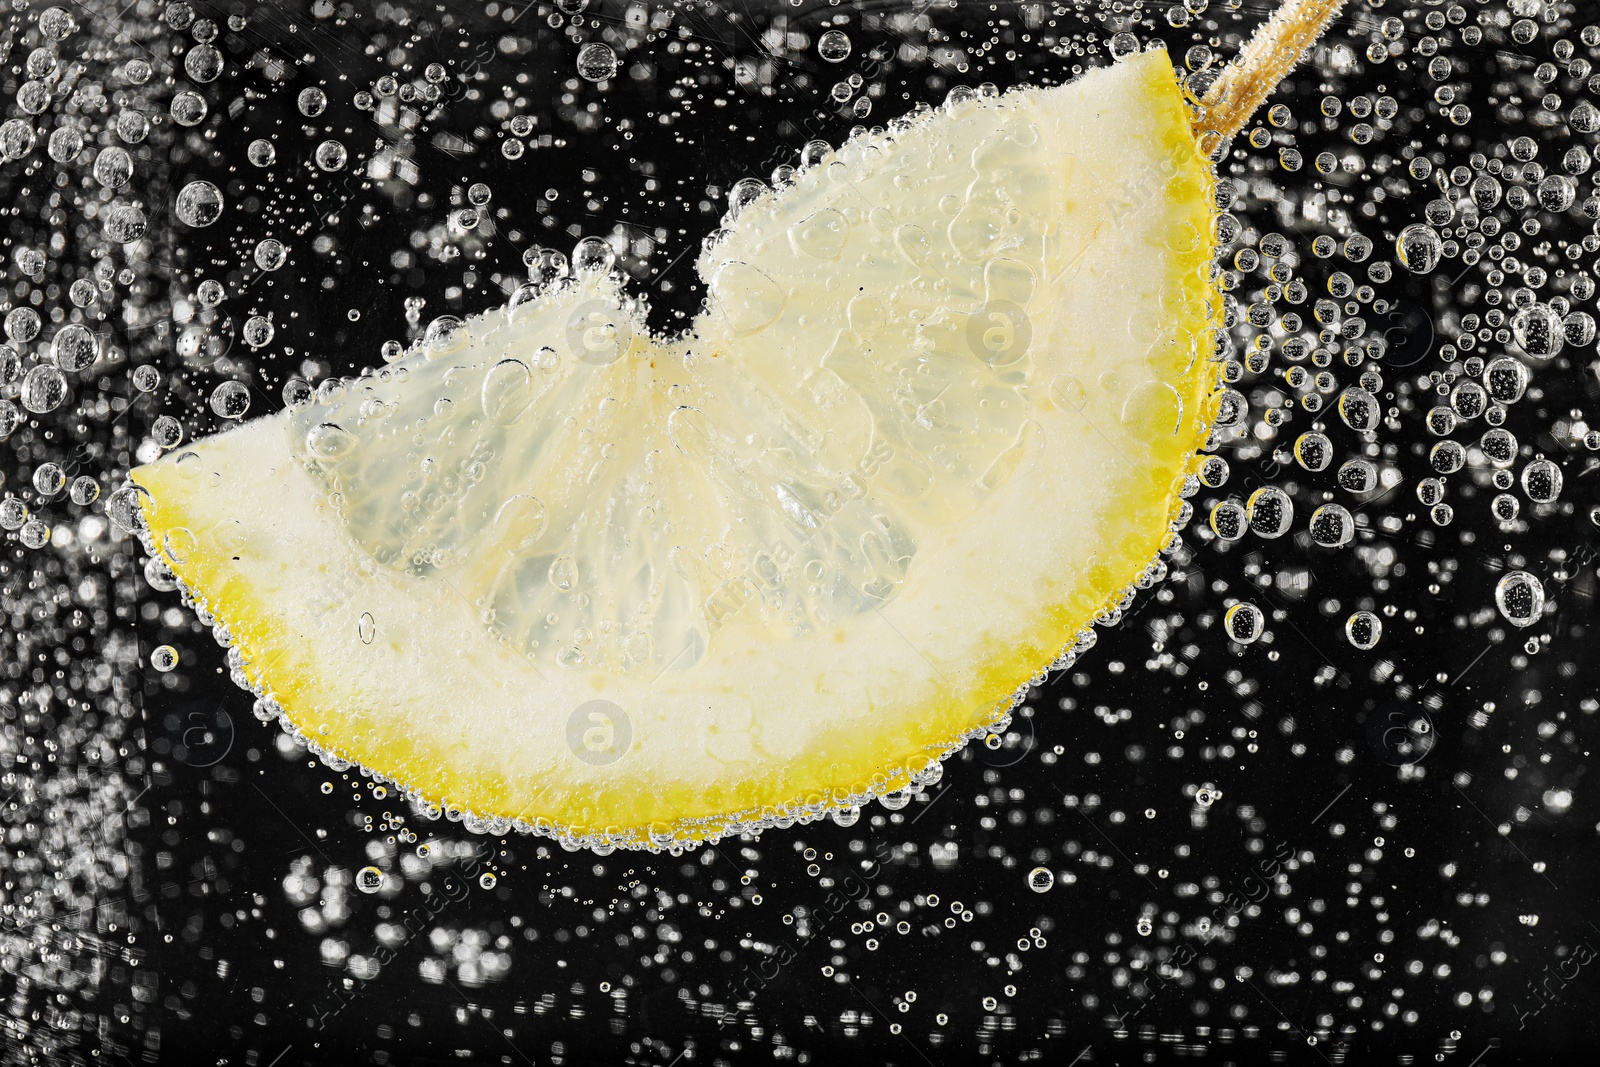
556	572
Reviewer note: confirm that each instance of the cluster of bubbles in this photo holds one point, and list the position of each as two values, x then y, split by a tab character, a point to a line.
1409	275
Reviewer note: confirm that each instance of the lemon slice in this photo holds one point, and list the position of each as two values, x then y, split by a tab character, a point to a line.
551	571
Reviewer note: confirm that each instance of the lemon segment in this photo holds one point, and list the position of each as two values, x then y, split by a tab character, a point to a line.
555	571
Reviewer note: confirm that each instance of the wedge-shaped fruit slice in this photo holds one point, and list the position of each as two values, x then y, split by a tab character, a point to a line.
549	569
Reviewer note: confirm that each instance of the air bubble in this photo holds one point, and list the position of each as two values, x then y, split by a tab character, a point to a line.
1520	597
199	204
597	62
1244	623
834	46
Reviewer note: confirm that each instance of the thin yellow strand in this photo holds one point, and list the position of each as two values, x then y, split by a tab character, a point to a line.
1264	61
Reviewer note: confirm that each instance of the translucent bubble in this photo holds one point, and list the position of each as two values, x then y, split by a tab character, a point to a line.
331	155
56	23
33	97
1123	45
43	389
258	331
210	293
1270	511
1539	330
132	127
74	347
834	46
1359	409
596	62
1500	446
1520	597
1244	623
13	513
34	533
203	64
297	393
65	143
444	334
1447	457
1213	472
188	108
163	658
16	139
1313	451
593	256
48	479
1419	247
1041	879
1232	407
1579	327
230	399
113	167
261	152
369	879
1332	526
311	101
42	62
270	254
1357	248
166	431
1358	476
125	223
85	490
1541	481
146	378
1363	629
329	440
1505	507
487	880
1557	192
128	506
1469	399
1229	520
199	204
1506	379
22	324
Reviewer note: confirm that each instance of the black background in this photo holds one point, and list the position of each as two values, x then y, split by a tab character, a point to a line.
1290	786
